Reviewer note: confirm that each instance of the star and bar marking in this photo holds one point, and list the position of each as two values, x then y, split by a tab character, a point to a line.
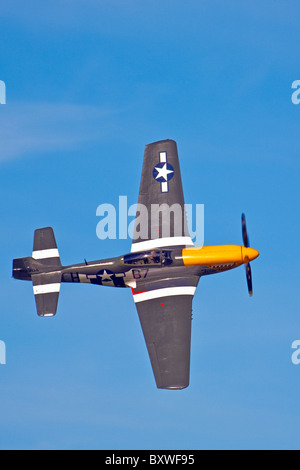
163	172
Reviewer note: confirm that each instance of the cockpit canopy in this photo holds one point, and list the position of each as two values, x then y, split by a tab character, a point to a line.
153	257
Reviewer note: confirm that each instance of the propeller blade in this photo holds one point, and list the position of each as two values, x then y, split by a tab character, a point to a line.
249	279
247	245
244	232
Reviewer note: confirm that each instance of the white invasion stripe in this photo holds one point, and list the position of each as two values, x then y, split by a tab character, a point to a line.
164	187
84	279
159	242
164	292
46	288
131	284
163	157
43	254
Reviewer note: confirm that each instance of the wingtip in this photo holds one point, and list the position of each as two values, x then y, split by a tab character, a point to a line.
161	142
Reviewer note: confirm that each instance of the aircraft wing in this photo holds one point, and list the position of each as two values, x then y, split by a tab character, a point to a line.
160	218
165	312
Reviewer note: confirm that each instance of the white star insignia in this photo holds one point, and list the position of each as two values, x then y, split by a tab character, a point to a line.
105	276
163	172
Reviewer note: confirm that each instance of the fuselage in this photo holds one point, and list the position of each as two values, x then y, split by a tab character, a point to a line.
129	269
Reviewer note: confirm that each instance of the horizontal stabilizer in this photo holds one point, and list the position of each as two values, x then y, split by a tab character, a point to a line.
45	248
46	289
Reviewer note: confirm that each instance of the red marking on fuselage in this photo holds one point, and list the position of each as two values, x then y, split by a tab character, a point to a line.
135	293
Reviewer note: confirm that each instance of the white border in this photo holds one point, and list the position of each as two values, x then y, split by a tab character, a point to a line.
43	254
46	288
164	292
159	242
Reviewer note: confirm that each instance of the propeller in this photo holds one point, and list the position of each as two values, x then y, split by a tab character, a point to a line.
247	245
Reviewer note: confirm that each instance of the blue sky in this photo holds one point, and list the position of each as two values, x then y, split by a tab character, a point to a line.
89	83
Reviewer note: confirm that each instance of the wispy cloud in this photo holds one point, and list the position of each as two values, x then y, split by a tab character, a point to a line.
84	14
41	127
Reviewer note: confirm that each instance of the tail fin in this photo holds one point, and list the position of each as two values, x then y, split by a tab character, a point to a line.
45	248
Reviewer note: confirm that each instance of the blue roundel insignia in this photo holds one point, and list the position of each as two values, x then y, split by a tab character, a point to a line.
163	172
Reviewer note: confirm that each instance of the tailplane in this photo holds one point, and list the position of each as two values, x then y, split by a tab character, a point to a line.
46	289
43	269
45	248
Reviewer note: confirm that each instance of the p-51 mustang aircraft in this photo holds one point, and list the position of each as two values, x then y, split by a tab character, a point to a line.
163	268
